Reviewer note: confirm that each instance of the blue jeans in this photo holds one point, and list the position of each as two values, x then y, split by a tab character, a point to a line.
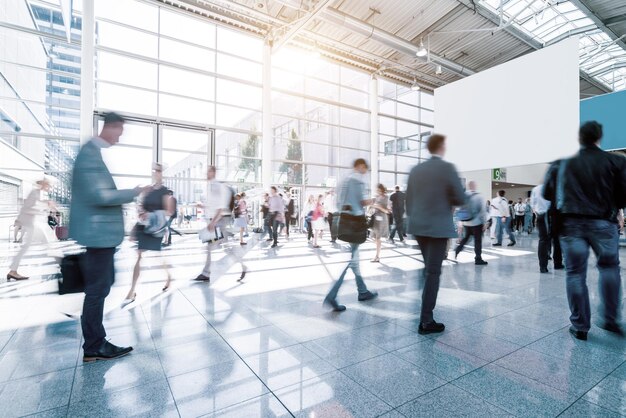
354	265
501	226
577	236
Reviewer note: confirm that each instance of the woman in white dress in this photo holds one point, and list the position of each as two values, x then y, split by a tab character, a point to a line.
30	222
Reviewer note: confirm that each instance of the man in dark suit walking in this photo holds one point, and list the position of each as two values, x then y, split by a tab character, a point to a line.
433	190
398	202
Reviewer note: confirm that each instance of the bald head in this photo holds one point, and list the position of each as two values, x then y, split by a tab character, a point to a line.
472	186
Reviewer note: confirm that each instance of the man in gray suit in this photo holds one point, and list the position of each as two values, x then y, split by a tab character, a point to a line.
433	190
97	223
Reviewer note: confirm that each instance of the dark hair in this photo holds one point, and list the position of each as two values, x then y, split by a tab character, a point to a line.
360	161
590	133
501	193
113	117
510	202
397	188
274	188
435	142
381	187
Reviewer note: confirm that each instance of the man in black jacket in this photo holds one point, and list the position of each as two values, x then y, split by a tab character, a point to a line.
588	190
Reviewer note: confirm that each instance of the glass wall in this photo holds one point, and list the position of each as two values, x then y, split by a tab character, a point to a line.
321	122
406	119
195	88
155	62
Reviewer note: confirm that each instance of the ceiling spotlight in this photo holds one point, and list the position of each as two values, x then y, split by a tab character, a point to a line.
421	52
415	86
438	70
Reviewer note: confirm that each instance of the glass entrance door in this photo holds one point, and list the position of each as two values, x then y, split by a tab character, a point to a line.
185	152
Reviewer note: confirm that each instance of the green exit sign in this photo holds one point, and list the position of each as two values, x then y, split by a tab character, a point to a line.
499	174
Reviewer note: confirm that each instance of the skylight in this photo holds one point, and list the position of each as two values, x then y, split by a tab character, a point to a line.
548	21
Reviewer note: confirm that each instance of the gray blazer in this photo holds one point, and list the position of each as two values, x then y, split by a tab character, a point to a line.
96	218
433	190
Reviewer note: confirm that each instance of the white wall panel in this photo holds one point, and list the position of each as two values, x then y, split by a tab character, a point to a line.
525	111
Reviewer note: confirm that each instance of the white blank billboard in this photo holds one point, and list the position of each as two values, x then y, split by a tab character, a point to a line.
525	111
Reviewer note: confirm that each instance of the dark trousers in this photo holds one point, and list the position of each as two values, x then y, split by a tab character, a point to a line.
519	222
275	225
96	266
543	251
309	227
398	225
577	237
332	227
477	233
287	222
434	252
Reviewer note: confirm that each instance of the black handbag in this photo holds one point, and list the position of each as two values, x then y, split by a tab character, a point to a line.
352	228
71	280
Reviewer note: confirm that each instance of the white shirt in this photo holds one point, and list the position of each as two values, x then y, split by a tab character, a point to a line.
217	197
537	202
502	206
520	209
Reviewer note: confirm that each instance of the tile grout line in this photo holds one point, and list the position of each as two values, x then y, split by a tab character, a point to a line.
242	359
583	395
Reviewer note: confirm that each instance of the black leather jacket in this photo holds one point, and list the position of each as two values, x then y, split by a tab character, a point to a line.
594	184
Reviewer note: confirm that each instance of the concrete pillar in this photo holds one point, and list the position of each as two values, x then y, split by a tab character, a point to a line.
267	147
87	71
374	141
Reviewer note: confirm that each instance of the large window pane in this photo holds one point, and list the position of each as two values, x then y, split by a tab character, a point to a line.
286	80
187	28
321	89
230	92
130	12
238	43
354	119
235	117
128	160
187	55
121	69
354	98
184	109
355	79
125	39
239	68
125	99
186	83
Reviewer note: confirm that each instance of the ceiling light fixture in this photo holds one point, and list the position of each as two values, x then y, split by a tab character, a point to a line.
415	86
421	52
438	70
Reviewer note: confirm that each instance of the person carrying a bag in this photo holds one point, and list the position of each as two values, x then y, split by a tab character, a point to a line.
352	200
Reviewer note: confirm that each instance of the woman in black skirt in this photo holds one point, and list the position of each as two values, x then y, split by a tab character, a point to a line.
159	198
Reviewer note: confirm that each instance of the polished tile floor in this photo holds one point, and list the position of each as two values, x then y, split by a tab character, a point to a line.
267	348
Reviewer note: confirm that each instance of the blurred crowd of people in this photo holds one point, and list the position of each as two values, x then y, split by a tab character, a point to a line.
578	209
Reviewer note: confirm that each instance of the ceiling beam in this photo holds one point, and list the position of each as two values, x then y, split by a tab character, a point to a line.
611	21
300	24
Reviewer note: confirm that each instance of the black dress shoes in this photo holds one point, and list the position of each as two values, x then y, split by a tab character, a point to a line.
430	328
561	267
580	335
481	262
544	271
202	278
108	351
511	244
333	304
367	296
